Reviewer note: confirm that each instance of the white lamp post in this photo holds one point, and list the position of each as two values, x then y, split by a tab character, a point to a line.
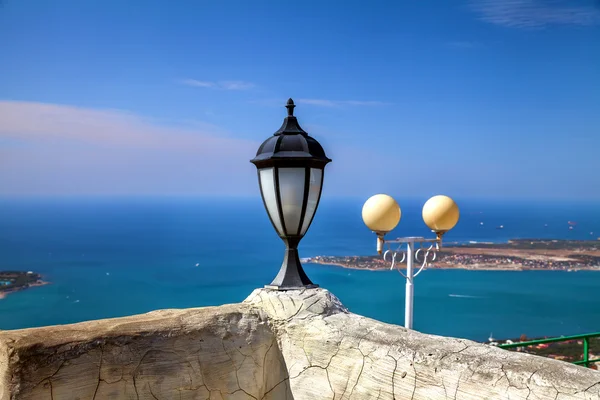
381	213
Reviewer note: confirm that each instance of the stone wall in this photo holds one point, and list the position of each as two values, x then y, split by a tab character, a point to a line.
300	345
227	352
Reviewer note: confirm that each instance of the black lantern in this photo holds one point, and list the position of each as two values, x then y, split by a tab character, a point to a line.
290	168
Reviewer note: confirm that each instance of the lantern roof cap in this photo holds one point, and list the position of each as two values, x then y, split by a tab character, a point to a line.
290	142
290	124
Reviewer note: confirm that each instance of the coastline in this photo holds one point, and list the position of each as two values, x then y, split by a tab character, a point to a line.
345	266
461	267
5	293
514	255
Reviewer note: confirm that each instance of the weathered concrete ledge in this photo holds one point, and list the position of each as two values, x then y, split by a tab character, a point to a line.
300	345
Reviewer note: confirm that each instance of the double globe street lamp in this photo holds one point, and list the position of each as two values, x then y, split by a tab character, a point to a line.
381	213
291	167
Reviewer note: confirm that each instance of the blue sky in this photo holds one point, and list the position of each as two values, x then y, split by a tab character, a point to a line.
488	98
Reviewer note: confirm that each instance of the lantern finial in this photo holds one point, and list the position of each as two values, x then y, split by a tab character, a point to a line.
290	107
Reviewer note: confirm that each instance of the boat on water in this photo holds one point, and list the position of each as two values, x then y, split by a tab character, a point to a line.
500	227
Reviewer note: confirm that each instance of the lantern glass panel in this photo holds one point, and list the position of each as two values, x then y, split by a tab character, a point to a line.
314	192
267	188
291	190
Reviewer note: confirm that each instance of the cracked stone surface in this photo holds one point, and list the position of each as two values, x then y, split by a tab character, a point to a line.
300	345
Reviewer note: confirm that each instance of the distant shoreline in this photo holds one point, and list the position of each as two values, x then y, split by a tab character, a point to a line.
464	268
4	293
514	255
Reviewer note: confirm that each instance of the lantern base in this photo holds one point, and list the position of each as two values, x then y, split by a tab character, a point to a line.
291	275
281	288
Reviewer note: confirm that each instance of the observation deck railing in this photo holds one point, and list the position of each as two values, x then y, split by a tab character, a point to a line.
586	345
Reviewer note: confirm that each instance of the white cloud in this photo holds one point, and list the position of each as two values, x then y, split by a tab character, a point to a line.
236	85
537	13
59	149
225	85
339	103
193	82
318	102
464	44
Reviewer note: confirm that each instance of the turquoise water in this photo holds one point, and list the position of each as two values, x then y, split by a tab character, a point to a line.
108	258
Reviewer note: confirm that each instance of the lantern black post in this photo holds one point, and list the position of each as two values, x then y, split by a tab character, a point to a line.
291	167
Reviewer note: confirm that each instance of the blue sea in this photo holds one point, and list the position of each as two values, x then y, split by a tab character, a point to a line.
110	257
